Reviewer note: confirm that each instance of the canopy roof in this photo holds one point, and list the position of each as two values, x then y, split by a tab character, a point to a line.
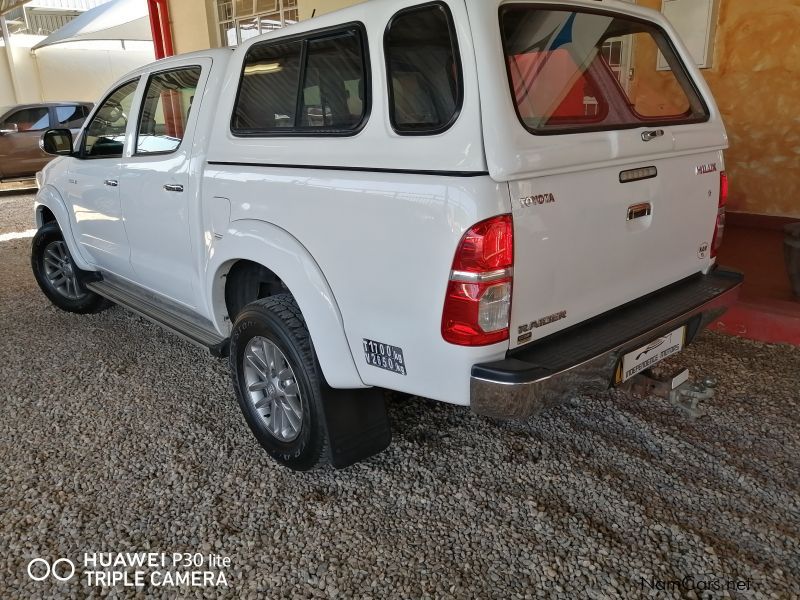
55	5
115	20
7	5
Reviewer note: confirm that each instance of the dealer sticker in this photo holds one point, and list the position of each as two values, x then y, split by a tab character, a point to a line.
384	356
645	357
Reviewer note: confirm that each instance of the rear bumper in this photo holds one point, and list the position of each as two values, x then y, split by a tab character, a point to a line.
583	359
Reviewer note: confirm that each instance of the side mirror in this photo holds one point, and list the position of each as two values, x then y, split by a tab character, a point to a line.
9	128
57	142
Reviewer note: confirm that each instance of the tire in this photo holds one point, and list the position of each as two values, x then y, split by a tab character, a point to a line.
273	409
49	258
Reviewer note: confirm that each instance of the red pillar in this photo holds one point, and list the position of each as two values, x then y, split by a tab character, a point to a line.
159	25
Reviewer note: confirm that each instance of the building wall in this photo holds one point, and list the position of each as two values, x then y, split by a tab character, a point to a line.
6	90
756	82
74	71
193	24
27	78
91	70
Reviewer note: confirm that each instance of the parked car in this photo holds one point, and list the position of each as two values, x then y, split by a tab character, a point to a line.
488	204
21	128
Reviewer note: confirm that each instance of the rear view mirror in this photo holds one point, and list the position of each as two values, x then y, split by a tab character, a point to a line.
9	128
57	142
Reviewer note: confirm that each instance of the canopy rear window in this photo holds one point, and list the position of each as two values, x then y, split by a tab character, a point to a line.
575	71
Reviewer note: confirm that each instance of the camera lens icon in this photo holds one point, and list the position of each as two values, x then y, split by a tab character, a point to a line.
39	569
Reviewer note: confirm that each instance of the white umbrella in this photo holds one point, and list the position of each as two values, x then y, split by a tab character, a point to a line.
115	20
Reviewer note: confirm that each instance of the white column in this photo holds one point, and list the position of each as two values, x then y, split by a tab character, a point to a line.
9	58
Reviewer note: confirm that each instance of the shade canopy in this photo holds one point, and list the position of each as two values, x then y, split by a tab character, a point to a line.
9	5
125	20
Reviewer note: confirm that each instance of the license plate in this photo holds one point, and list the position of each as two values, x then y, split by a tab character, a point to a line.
648	355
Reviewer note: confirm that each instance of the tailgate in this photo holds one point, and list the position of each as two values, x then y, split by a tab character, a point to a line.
613	164
586	243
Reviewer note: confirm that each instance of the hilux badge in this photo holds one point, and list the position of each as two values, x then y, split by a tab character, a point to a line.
706	169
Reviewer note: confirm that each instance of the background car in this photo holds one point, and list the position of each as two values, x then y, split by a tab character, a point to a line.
20	129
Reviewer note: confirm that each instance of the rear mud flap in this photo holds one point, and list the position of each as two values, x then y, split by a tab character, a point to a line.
358	425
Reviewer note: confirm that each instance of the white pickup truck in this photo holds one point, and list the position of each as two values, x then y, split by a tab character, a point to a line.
487	203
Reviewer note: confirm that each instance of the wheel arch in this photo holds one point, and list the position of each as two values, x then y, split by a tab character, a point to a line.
50	207
281	254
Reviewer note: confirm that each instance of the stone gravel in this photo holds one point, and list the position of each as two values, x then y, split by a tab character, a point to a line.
117	436
16	210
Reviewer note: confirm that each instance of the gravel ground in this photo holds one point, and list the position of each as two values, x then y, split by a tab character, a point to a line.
16	210
119	437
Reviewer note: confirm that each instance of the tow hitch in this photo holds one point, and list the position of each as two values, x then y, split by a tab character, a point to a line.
675	387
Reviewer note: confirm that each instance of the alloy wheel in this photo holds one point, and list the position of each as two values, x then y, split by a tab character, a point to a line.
273	390
61	272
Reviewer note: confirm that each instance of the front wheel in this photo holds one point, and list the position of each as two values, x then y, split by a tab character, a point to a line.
278	382
57	275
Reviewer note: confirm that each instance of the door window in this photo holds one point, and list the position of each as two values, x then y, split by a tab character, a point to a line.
105	135
165	110
424	70
71	117
29	119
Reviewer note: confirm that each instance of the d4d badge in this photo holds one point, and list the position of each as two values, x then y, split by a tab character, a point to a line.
702	251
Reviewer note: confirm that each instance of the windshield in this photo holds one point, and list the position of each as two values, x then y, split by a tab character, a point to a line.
579	71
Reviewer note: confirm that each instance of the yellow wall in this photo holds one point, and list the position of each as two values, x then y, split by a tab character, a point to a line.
194	25
756	83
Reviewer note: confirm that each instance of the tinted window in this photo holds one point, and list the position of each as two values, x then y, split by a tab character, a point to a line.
165	110
29	119
577	71
268	90
71	117
424	70
333	90
105	135
280	93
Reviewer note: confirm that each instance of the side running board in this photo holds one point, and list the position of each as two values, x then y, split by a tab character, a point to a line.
187	329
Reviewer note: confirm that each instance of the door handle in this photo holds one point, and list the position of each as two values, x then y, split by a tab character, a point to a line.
637	211
111	182
651	135
173	187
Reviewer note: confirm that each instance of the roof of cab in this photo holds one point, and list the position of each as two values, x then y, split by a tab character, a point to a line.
165	63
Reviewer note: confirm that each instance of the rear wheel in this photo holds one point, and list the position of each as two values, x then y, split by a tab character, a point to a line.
278	382
57	275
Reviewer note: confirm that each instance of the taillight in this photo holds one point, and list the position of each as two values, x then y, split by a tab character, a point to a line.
719	228
477	306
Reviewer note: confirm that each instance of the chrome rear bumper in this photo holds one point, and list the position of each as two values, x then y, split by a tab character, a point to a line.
583	359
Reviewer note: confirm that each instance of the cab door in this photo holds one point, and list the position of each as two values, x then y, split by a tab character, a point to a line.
158	195
93	183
